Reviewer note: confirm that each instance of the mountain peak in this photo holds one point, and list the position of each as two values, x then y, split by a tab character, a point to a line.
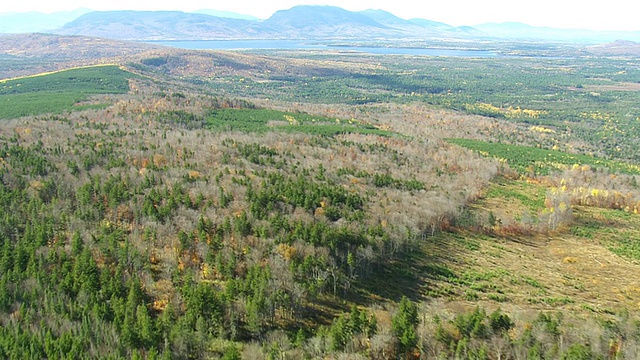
385	18
156	25
225	14
623	43
617	48
320	15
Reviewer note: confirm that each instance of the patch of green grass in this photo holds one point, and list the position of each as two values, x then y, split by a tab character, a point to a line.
61	91
615	229
472	275
615	214
470	243
581	231
536	161
530	196
471	295
262	120
498	297
533	282
483	286
627	246
552	301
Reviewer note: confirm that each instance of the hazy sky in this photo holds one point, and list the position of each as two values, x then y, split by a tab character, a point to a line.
582	14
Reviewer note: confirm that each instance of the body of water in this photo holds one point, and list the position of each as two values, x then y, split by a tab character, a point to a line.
301	45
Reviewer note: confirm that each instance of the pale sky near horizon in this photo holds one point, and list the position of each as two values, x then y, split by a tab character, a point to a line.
576	14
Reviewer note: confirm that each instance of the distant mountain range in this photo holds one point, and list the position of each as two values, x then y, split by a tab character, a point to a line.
31	22
159	25
299	22
226	14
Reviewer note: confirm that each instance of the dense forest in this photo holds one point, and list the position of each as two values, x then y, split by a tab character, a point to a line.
287	206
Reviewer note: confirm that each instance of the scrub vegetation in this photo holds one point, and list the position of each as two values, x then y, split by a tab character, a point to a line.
291	205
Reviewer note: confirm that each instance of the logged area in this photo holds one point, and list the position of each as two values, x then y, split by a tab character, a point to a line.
321	205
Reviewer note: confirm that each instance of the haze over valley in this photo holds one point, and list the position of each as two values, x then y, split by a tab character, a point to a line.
299	22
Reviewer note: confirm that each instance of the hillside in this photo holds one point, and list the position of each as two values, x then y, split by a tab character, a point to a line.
201	204
326	22
27	54
300	22
225	14
33	22
310	22
67	47
158	25
616	48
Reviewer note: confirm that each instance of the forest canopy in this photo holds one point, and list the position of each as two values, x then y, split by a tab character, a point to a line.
320	205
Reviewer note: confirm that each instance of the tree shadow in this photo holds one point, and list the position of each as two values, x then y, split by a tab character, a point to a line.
419	272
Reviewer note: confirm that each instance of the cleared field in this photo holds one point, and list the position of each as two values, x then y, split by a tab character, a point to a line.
60	91
536	161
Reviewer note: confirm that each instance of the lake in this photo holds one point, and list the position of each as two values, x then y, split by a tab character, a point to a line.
309	45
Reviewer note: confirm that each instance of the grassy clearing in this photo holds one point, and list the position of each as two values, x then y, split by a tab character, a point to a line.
588	266
618	230
535	161
531	197
262	120
589	96
60	91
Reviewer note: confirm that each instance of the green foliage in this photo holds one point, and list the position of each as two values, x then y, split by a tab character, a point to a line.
386	180
500	322
549	323
61	91
182	118
405	322
28	160
577	352
304	193
531	160
105	253
589	95
348	325
472	325
263	120
155	61
232	353
530	196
